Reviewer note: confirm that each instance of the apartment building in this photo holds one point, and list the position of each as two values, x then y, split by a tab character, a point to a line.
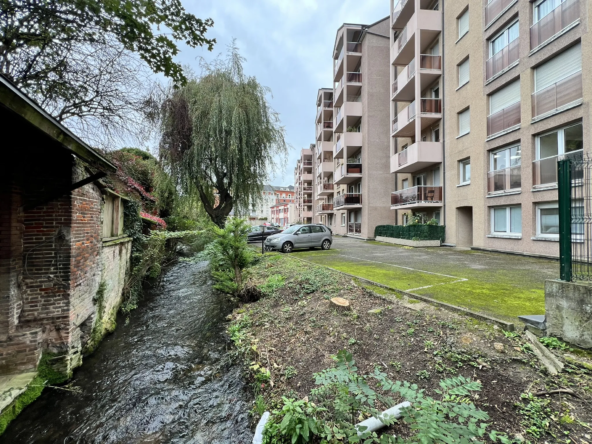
303	186
283	214
324	161
416	148
517	101
361	176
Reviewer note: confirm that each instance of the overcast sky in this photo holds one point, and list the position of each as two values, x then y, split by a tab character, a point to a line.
288	45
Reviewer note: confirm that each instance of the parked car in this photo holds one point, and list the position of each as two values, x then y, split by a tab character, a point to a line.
300	236
261	232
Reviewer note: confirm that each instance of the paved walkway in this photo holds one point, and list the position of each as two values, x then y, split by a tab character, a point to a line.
499	285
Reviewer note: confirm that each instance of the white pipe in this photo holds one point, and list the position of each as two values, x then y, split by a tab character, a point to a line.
258	438
374	424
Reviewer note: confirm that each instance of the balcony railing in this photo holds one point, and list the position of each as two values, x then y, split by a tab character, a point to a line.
395	126
326	187
307	163
395	87
561	93
560	18
327	104
353	168
338	146
338	116
504	180
354	77
544	171
340	57
427	61
417	195
347	199
354	47
397	10
501	60
429	106
327	125
403	157
503	119
401	40
307	201
354	228
325	207
307	189
494	8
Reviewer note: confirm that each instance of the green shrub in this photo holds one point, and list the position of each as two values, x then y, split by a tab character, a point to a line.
295	423
427	231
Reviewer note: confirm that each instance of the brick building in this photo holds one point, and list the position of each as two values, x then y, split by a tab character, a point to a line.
63	255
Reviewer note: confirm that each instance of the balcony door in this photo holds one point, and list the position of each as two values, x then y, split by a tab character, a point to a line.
419	180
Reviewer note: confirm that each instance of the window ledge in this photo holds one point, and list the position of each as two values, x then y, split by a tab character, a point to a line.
555	37
466	83
108	241
502	72
463	135
556	111
503	133
463	184
505	236
545	239
504	193
461	37
545	188
497	17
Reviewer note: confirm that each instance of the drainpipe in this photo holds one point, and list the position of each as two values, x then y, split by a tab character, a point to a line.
443	131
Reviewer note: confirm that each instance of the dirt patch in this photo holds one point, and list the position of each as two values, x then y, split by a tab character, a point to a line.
293	331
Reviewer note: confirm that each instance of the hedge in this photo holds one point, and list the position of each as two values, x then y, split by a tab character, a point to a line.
421	232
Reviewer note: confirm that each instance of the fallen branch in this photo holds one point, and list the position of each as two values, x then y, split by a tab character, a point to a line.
552	392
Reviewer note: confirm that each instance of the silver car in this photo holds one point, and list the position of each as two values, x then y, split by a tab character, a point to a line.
300	236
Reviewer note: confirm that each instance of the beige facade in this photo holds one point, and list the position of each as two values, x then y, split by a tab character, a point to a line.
527	103
353	180
416	110
303	186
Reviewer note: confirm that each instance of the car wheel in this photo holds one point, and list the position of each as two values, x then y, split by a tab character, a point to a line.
287	247
326	245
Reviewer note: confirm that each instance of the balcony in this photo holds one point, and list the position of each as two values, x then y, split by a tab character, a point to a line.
307	201
338	152
503	120
354	77
307	189
354	228
354	47
402	124
416	197
325	168
328	125
337	65
430	112
505	180
403	88
494	9
325	189
504	58
553	23
397	12
307	214
325	146
346	173
416	157
346	201
350	139
544	171
325	208
428	23
558	95
307	177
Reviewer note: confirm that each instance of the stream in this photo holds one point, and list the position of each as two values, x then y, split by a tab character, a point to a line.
163	378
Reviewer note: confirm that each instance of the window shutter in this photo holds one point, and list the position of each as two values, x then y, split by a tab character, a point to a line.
463	24
565	64
464	122
504	97
463	72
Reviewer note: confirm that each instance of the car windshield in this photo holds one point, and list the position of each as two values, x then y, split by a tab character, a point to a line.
256	229
291	230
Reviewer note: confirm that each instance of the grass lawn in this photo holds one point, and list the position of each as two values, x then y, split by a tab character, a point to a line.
504	293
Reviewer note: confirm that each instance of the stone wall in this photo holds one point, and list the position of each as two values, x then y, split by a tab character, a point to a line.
568	309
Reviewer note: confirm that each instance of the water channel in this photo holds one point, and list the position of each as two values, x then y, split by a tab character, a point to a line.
163	378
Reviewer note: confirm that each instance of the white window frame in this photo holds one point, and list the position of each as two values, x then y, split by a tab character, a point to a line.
458	72
468	110
343	219
461	170
499	34
539	207
560	141
509	159
535	17
458	21
508	231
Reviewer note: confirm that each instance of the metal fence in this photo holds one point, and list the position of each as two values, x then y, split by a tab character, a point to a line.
575	219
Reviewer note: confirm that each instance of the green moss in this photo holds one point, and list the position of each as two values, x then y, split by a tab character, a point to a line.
101	325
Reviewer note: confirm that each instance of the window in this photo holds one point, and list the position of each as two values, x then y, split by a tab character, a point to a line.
464	122
504	97
563	141
463	73
506	220
567	63
112	216
343	219
503	39
505	170
463	24
436	135
304	230
547	218
318	229
465	171
543	7
405	184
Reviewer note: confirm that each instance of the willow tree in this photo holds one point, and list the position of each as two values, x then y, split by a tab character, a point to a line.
220	137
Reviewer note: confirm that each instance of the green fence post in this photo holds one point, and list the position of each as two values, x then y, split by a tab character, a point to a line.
564	183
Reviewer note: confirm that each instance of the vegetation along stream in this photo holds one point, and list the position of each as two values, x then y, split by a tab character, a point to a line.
166	377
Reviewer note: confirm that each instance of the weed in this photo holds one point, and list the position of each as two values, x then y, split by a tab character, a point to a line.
511	334
551	342
410	331
272	285
396	365
428	345
290	372
423	374
259	406
352	341
536	413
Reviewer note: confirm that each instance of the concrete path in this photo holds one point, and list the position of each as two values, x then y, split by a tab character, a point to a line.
500	285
